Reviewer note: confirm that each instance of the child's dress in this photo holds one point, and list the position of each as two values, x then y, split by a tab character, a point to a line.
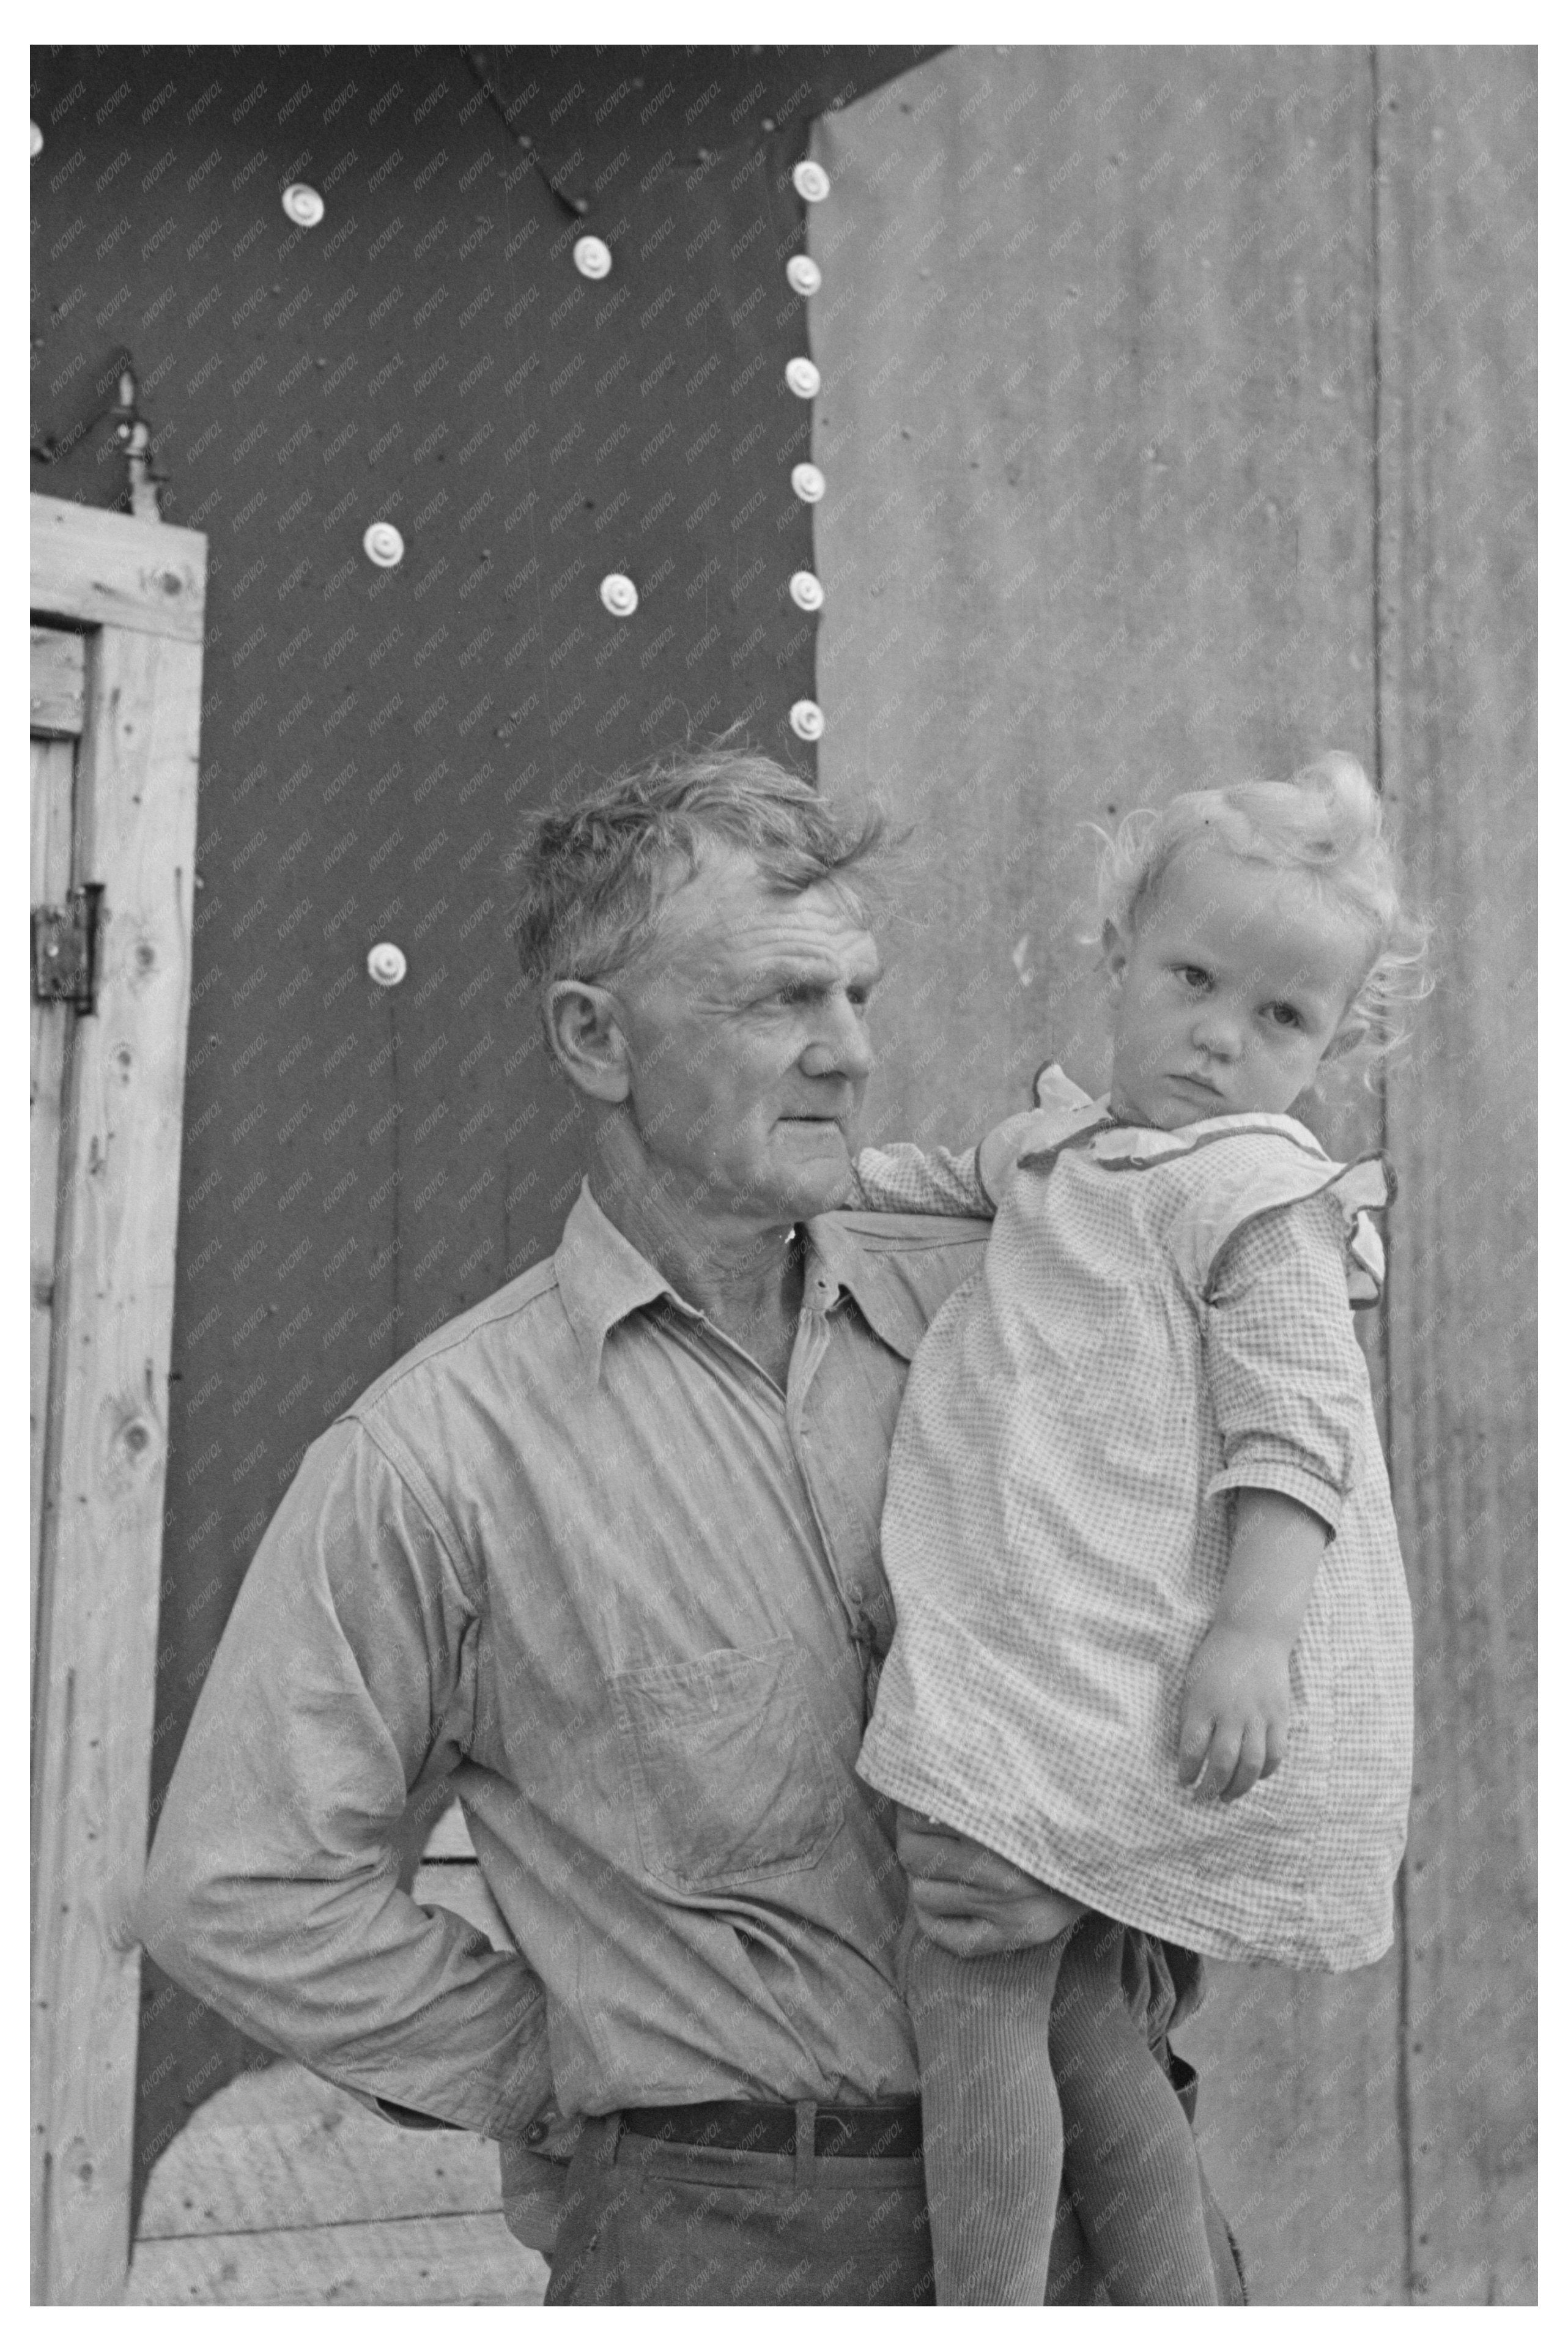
1160	1318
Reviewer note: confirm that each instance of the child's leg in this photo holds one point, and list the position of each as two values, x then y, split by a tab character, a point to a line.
1131	2165
991	2123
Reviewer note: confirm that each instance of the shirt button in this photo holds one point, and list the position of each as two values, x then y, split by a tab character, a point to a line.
535	2133
856	1594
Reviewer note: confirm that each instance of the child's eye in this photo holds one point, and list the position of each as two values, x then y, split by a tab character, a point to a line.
1193	976
1284	1016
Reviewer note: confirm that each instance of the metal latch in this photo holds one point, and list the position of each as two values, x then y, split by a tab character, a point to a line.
65	949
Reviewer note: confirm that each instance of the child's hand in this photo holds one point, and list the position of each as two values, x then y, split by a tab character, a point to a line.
1236	1712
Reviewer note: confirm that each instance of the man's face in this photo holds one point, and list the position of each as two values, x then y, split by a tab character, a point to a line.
745	1019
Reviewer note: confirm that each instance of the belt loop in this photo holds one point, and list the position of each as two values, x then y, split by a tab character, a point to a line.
613	2124
806	2144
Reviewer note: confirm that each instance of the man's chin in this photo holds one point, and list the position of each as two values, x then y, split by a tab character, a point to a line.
812	1165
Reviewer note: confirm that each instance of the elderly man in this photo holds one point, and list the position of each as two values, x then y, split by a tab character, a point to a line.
604	1550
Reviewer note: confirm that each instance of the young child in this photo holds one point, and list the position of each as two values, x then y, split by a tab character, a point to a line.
1139	1536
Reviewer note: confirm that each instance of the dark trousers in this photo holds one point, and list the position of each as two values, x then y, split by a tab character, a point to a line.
645	2222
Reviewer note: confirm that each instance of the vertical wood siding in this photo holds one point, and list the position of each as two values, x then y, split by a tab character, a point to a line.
1456	646
1175	426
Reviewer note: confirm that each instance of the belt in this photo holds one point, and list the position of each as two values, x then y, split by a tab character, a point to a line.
891	2131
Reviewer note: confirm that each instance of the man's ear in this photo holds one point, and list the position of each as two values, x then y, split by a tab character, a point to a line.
1115	950
582	1024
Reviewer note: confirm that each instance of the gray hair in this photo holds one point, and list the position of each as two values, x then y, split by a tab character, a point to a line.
592	880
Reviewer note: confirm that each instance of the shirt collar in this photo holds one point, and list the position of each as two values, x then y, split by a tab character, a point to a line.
848	1266
601	1279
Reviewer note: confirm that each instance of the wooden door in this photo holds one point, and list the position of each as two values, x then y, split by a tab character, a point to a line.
117	656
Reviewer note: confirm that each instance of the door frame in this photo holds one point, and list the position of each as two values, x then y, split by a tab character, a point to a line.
138	589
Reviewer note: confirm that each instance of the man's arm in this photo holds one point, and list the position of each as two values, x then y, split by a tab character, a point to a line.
345	1672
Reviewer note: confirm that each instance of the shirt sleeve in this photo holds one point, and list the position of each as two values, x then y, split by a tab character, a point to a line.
344	1675
1287	1380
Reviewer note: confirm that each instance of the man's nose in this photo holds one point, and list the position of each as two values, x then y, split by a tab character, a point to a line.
841	1047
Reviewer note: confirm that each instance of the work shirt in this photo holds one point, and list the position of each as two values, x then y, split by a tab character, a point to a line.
579	1551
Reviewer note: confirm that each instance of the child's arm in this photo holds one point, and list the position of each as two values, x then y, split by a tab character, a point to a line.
904	1180
1289	1387
1235	1708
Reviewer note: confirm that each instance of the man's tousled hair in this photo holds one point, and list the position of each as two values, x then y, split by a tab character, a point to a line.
589	881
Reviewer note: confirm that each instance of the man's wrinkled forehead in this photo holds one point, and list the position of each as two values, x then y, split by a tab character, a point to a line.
729	919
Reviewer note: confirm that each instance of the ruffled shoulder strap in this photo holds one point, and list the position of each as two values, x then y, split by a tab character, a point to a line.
1231	1188
1031	1138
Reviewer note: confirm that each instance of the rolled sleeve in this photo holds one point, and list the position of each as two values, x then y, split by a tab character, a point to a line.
1287	1377
345	1674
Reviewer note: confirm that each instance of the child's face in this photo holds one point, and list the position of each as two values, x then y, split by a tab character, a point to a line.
1228	991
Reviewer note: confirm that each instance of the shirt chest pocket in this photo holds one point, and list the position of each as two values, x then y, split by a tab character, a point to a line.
731	1777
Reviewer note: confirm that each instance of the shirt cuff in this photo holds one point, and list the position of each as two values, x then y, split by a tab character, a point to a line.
1271	1474
530	2089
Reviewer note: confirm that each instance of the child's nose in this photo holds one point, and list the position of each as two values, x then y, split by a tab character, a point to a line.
1215	1030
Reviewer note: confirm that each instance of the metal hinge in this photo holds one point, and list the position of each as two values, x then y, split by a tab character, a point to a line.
65	949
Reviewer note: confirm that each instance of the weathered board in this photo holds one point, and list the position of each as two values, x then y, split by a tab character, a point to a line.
101	1505
333	2162
1173	427
53	771
465	2259
1456	647
285	2188
152	579
57	685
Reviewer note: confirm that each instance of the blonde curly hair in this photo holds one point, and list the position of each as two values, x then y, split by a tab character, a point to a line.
1326	821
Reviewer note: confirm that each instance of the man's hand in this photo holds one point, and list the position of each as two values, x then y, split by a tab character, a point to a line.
1236	1712
968	1900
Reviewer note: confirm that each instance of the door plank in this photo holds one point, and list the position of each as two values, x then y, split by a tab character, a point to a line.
465	2259
229	2171
1456	140
91	566
58	681
99	1569
54	768
1095	334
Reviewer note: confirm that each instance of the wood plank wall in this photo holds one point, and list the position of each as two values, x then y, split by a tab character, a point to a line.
1456	651
1176	420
